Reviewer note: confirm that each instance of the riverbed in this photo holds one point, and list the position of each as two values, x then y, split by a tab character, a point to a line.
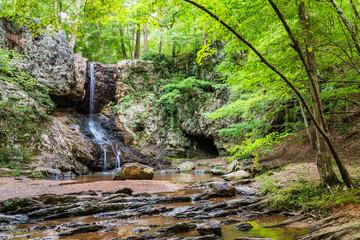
154	207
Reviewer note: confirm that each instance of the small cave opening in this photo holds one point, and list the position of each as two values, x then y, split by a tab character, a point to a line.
202	146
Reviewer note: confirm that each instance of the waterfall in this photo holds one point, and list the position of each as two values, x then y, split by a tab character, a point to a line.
98	133
92	89
117	152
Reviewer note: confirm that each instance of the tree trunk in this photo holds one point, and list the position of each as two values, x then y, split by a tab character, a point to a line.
347	25
146	48
74	32
122	42
133	42
161	41
102	41
137	46
307	126
286	118
323	157
55	9
173	55
204	39
344	173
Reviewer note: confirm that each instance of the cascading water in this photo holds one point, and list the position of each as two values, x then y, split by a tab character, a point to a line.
98	133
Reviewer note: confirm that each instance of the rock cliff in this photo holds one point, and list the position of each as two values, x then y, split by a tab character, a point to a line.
50	60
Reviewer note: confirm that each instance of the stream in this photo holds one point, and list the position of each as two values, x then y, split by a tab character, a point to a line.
148	216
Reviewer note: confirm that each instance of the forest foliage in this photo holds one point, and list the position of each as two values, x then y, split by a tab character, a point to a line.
165	31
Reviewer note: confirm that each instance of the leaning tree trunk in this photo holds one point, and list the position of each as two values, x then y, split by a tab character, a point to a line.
344	173
323	157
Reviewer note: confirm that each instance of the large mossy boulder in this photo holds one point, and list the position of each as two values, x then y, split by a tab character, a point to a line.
134	171
186	166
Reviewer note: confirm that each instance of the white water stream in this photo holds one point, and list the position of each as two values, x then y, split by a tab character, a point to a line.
99	134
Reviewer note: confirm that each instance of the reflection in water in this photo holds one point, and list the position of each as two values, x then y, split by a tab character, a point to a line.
171	177
281	233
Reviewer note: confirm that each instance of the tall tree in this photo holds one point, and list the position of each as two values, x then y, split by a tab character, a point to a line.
75	25
138	42
345	176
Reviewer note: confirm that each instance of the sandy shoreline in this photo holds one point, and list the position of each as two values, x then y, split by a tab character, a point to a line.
27	187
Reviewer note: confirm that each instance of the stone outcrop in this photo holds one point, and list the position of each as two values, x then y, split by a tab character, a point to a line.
138	75
134	171
142	114
64	149
50	60
58	147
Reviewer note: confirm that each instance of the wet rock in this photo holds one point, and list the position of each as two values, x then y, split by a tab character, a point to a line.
247	191
236	203
223	189
148	236
179	228
11	218
216	171
123	189
215	206
253	238
223	213
56	199
86	229
186	166
209	193
134	171
229	221
140	230
126	215
244	227
206	237
142	194
163	200
236	175
201	217
211	227
19	204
